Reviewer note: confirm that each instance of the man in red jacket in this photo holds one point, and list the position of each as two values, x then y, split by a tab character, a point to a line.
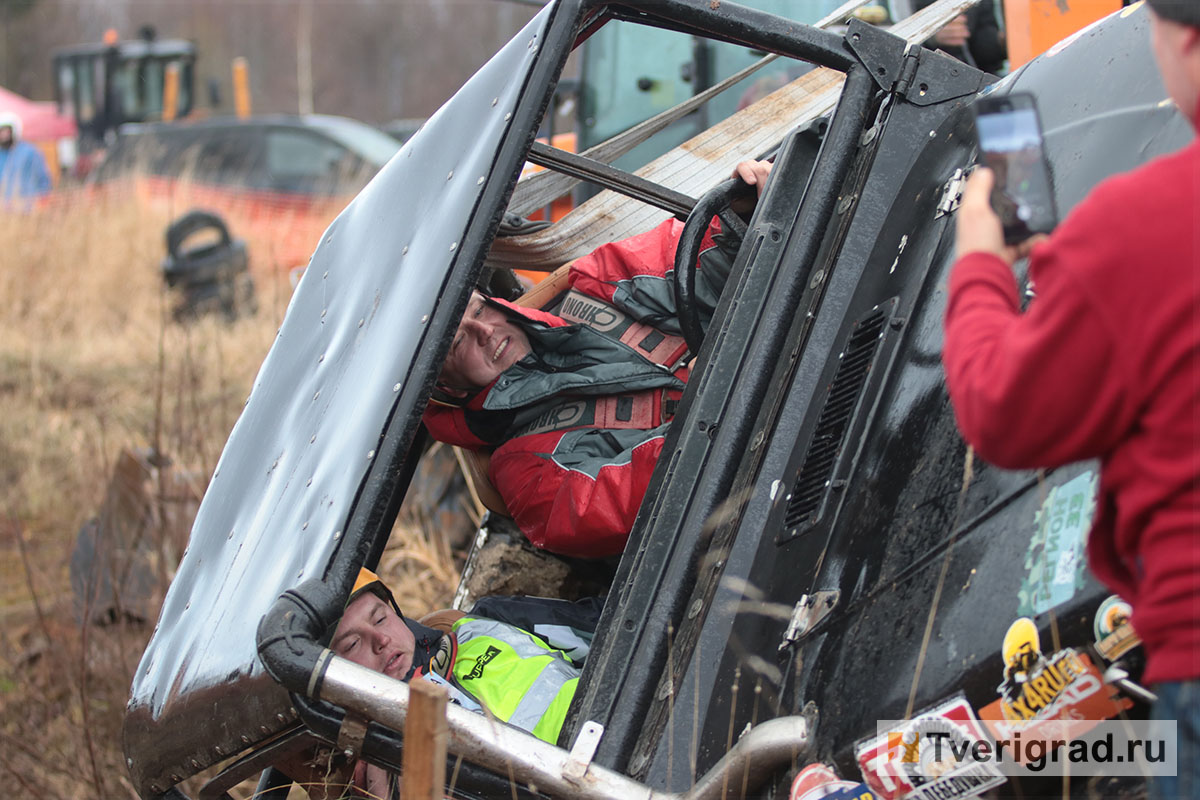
1105	363
573	405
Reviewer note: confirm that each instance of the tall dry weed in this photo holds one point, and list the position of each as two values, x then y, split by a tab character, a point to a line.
92	365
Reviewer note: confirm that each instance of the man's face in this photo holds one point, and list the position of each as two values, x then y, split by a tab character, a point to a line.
6	136
372	635
486	343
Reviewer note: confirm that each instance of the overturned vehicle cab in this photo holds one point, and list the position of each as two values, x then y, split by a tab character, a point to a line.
818	550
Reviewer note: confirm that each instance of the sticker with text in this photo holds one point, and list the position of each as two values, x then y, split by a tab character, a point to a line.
1062	686
929	757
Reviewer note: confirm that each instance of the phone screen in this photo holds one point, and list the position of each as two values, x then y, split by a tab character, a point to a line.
1010	143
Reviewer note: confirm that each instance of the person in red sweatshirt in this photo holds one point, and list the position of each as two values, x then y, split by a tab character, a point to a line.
1105	363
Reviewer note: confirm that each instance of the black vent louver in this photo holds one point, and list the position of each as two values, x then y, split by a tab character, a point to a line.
834	422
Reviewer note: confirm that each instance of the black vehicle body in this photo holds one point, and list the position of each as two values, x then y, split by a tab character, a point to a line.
817	544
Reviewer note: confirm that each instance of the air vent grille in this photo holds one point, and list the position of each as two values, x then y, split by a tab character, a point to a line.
834	421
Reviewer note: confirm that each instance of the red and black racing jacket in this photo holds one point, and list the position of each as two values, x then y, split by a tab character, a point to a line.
577	425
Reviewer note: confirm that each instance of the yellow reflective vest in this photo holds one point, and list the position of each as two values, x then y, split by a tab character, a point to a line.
514	675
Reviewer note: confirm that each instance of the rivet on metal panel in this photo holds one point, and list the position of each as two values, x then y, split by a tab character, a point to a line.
187	605
326	275
453	246
371	454
508	116
665	690
337	535
695	608
845	203
396	388
216	473
129	762
360	322
424	318
316	395
195	764
312	439
324	311
480	181
404	252
218	751
308	482
495	100
230	536
451	175
245	739
817	277
320	358
281	717
933	134
304	527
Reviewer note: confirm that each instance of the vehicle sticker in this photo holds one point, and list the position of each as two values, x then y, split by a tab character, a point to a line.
819	782
903	762
1064	686
1054	562
855	791
1114	635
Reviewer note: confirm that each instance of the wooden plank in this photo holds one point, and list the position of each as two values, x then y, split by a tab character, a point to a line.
700	163
425	736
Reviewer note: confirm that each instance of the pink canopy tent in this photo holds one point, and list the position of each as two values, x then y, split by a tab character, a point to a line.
40	120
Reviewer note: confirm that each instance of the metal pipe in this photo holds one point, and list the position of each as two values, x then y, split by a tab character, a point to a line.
553	770
762	750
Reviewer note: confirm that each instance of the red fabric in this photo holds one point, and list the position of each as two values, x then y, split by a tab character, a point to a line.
566	511
649	253
1105	364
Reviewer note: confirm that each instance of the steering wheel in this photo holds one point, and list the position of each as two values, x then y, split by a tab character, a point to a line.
715	201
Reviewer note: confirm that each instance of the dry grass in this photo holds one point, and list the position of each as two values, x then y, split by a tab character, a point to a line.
91	365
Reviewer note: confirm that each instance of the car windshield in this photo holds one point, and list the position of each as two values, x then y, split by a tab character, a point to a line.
371	144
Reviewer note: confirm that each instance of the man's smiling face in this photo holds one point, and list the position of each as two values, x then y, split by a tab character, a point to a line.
373	635
486	343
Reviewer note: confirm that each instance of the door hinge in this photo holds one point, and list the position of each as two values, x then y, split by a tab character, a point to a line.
952	193
908	70
807	614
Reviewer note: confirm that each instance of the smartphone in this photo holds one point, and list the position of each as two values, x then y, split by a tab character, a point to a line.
1010	143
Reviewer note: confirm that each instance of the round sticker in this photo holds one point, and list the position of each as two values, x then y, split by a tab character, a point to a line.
816	781
1112	614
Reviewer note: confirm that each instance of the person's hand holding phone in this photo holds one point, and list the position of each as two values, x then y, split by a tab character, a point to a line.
978	228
